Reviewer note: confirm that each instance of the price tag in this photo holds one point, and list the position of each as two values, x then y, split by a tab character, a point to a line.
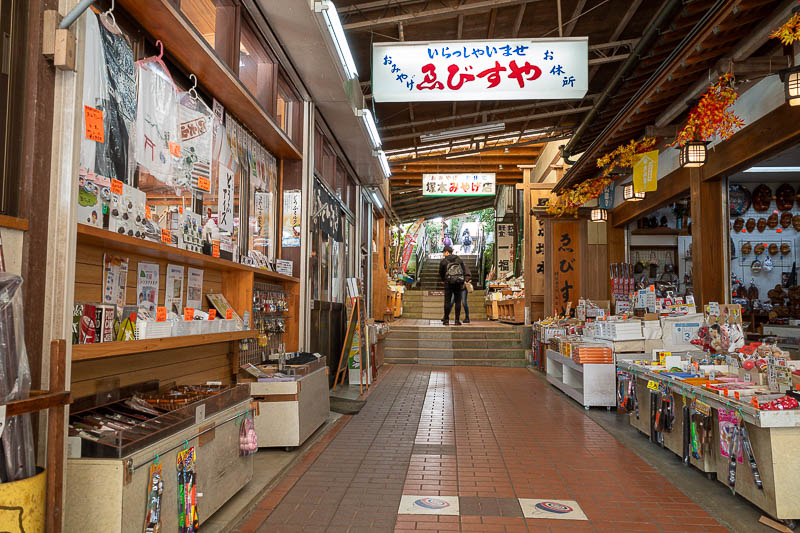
94	124
204	184
180	209
174	149
652	385
2	419
702	408
188	313
161	314
212	314
116	187
228	314
147	212
215	250
166	236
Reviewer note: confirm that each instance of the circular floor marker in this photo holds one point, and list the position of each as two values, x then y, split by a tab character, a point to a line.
432	503
553	507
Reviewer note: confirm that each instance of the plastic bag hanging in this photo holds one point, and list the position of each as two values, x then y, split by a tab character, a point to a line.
196	130
157	141
18	461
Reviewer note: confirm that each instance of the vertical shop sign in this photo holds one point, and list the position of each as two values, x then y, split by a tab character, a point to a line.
566	282
645	172
262	205
290	234
328	214
225	199
505	250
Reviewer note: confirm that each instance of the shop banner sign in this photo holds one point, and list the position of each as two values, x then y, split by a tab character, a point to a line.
606	198
566	282
458	184
495	69
505	250
328	215
645	172
410	242
225	199
290	229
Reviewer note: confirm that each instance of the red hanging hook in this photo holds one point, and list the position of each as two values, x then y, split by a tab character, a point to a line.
161	48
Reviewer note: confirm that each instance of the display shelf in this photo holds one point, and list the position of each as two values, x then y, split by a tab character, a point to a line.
182	42
757	417
93	236
591	384
20	224
102	350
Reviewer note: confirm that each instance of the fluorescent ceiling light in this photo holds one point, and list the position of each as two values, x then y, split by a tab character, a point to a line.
773	169
372	128
387	171
462	132
336	30
460	155
377	199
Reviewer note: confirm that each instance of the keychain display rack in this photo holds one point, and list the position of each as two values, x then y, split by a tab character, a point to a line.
269	315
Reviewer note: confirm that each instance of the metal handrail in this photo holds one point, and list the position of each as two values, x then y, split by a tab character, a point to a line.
480	266
421	255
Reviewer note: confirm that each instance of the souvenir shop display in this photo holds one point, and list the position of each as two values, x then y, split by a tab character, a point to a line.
766	252
137	435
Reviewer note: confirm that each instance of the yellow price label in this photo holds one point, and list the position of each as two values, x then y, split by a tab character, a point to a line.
652	385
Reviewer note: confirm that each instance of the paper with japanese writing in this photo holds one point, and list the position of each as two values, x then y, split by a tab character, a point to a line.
290	227
566	281
496	69
645	172
147	282
505	250
173	296
225	199
458	184
194	288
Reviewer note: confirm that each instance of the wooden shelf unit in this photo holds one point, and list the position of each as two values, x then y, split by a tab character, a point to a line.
85	352
162	20
188	359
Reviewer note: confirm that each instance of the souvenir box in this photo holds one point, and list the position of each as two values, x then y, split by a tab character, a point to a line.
109	494
116	429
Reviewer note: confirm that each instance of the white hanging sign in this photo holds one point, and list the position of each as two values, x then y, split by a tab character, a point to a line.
458	184
225	199
497	69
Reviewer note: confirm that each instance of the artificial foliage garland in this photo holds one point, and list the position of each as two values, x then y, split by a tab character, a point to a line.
624	155
712	116
789	32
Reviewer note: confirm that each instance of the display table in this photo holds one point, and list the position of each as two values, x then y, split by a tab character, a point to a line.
290	411
109	495
774	436
591	385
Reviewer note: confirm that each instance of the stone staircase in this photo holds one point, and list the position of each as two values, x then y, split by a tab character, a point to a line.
497	346
420	304
429	277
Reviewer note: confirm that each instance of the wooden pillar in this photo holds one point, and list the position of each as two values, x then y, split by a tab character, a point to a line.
709	246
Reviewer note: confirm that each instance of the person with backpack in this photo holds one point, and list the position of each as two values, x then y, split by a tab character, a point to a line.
454	273
446	241
466	241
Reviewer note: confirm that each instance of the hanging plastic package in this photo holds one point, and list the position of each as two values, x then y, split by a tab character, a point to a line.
196	130
109	99
157	141
18	461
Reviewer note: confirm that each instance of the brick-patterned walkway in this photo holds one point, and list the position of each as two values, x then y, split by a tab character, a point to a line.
486	435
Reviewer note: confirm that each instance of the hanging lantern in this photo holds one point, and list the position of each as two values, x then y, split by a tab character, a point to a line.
630	195
599	215
791	85
693	154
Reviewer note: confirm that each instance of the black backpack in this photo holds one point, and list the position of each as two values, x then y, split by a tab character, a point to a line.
454	274
467	240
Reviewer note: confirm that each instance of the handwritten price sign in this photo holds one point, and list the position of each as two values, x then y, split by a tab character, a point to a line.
94	124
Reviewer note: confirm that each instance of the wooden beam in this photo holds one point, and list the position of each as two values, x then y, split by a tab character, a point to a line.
436	13
670	188
769	134
574	19
518	21
709	248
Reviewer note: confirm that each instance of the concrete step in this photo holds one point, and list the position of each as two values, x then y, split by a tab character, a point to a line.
450	334
437	315
454	344
439	329
505	363
467	354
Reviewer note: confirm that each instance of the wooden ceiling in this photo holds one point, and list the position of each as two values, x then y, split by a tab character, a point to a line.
613	27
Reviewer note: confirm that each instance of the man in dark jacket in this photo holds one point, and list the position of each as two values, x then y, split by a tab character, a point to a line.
453	273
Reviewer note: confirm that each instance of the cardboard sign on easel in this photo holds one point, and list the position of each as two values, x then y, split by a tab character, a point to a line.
356	344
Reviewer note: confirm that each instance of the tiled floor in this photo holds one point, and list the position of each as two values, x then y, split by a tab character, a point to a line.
477	440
